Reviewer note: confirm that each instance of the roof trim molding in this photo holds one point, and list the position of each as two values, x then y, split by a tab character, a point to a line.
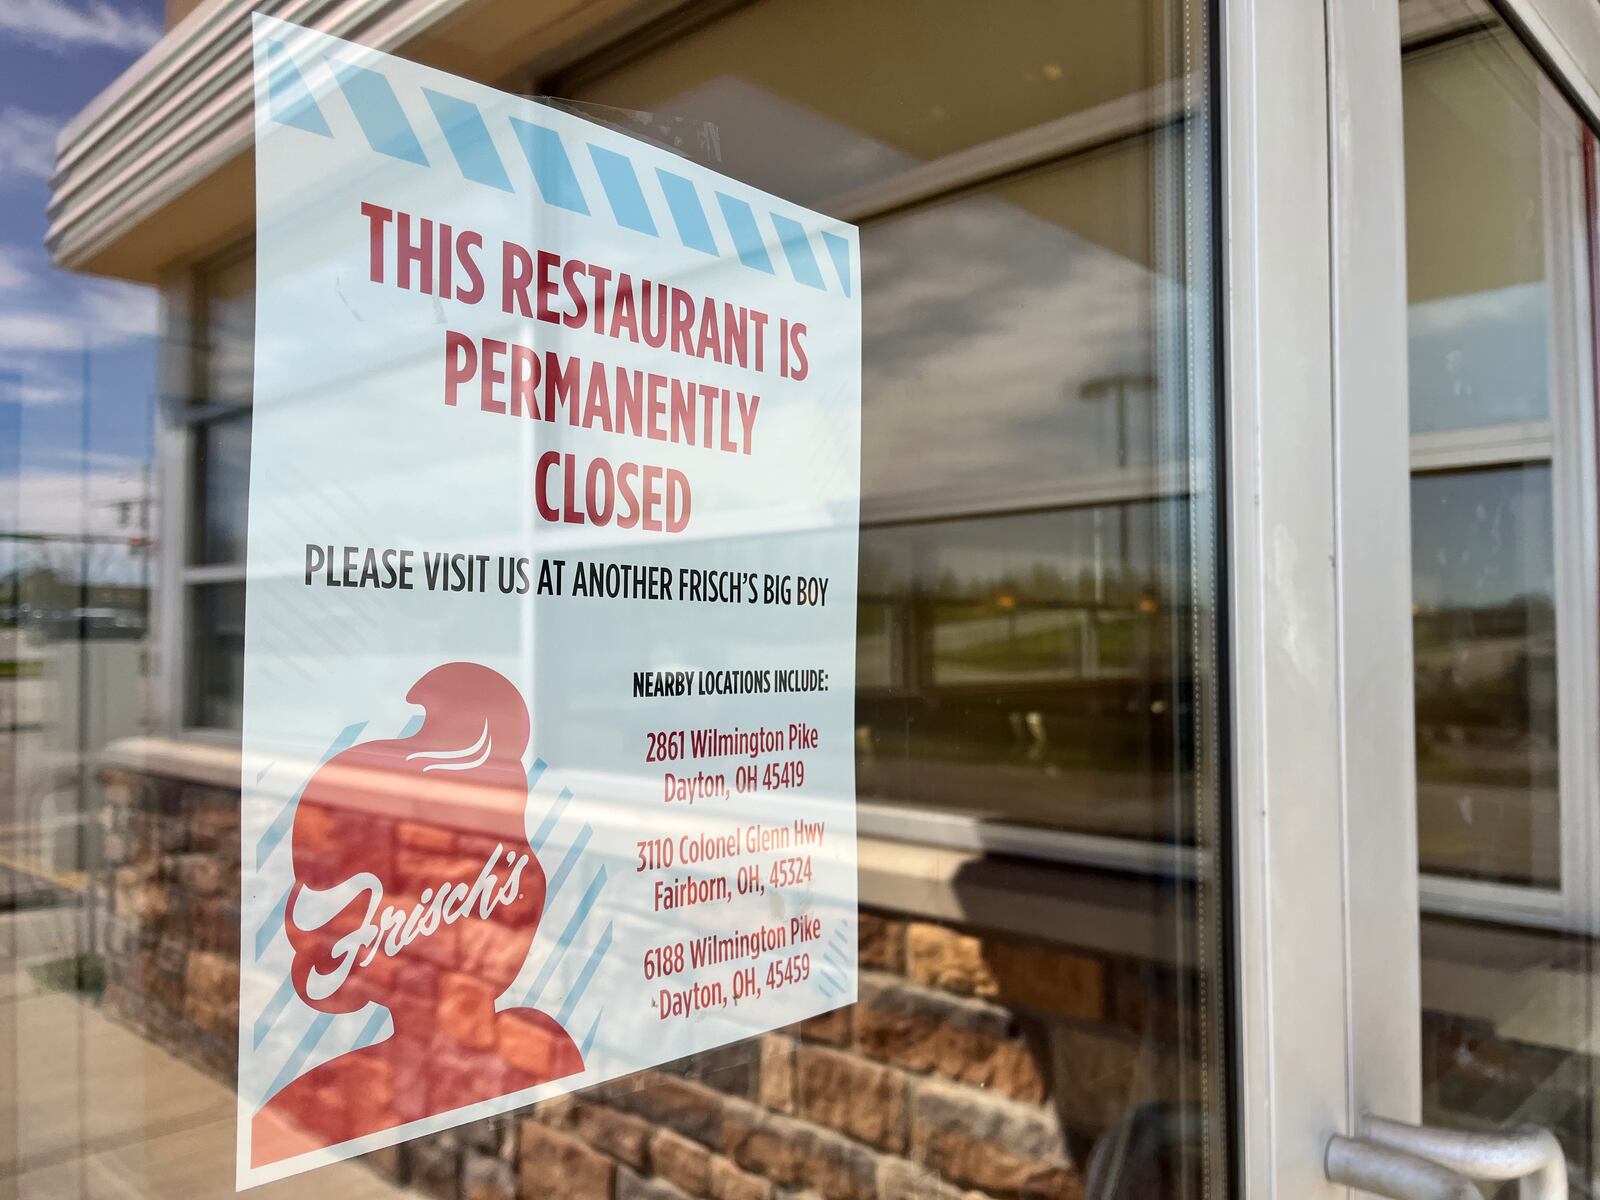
184	109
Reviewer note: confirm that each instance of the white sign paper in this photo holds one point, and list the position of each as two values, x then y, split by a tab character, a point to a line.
551	607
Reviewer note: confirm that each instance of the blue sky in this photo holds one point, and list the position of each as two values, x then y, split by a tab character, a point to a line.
55	56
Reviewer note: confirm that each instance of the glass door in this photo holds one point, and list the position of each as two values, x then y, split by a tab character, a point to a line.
1025	757
1500	226
1442	1006
1381	518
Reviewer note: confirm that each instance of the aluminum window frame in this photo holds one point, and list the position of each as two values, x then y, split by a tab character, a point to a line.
186	414
1564	442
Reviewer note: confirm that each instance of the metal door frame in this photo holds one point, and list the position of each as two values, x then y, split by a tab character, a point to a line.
1328	1024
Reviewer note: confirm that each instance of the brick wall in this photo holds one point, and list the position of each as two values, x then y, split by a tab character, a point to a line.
171	914
974	1064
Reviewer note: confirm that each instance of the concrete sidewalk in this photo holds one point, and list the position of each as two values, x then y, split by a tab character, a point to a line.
97	1112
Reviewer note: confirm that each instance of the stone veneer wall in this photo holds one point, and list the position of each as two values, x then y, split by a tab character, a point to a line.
984	1065
974	1064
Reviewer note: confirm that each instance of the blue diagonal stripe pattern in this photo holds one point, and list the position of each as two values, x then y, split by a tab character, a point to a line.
535	772
298	1056
268	842
797	249
622	190
288	98
268	929
469	140
542	834
623	177
574	853
596	886
839	251
410	727
378	112
747	241
585	977
369	1031
588	1038
272	1011
683	202
552	169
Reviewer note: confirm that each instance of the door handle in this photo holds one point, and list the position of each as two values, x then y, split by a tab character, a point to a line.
1384	1171
1390	1154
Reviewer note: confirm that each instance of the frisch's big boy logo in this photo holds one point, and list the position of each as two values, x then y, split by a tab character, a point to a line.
430	922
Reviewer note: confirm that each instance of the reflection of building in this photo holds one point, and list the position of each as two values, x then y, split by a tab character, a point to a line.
74	602
1045	650
1024	661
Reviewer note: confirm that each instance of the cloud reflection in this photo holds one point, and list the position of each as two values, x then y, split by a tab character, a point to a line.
58	26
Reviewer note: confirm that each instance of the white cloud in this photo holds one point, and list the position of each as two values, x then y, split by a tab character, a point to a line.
32	392
13	274
42	332
59	25
93	315
1069	311
27	144
119	311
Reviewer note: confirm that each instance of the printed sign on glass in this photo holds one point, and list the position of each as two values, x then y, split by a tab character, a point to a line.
548	766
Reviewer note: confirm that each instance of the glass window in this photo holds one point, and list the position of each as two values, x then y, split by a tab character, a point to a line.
1035	683
216	433
1019	312
1485	650
222	462
217	651
1031	587
896	85
1499	228
1483	529
1038	711
228	321
1028	646
1477	257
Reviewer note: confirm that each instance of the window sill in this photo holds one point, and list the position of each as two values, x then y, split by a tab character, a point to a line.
200	756
1127	915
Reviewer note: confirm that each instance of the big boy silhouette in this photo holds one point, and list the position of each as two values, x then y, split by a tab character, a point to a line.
415	888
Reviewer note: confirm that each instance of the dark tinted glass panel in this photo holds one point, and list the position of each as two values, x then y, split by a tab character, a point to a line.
1485	646
1476	195
222	462
217	647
